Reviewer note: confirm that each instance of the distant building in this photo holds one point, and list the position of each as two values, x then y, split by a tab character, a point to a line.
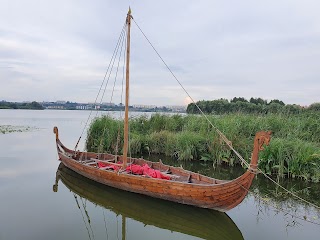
177	108
83	107
55	107
108	104
145	106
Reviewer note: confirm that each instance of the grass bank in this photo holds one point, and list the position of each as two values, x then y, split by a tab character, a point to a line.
293	152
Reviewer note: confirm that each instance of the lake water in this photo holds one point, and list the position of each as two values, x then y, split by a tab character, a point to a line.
82	209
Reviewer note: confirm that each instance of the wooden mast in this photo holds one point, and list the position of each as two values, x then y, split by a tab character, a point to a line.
126	114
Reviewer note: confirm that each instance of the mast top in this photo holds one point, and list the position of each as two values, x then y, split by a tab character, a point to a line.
129	11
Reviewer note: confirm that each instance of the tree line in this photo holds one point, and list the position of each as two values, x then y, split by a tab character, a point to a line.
254	105
15	105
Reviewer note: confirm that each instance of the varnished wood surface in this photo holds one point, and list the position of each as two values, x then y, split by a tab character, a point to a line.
202	223
202	191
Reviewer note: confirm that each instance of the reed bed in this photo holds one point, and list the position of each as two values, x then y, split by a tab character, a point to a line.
294	150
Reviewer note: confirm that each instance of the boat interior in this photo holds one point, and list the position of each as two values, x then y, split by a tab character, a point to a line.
110	162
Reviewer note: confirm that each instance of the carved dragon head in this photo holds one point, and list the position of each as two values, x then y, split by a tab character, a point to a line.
263	137
56	132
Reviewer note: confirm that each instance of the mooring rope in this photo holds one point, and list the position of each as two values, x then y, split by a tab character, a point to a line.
225	139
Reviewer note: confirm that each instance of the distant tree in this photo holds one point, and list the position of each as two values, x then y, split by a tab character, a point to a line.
220	106
192	108
240	104
238	99
314	107
275	107
36	105
258	101
292	109
204	106
277	101
13	105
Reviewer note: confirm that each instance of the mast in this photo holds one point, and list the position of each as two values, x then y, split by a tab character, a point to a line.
126	113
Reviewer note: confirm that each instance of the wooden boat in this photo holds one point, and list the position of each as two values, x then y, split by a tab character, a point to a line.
190	220
183	187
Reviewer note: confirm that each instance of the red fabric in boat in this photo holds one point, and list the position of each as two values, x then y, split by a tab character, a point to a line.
135	169
110	166
146	170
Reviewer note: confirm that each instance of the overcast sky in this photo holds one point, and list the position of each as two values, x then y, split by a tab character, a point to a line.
59	50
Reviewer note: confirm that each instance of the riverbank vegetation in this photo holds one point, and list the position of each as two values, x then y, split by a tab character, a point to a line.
14	105
294	150
252	106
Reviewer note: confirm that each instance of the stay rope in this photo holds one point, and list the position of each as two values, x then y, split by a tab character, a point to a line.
107	71
122	41
105	223
224	138
89	234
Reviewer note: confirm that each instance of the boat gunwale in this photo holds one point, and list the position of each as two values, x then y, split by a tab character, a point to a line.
222	184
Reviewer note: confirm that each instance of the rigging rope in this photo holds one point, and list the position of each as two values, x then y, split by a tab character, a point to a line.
122	36
213	126
122	85
225	139
105	224
115	79
75	197
88	218
222	136
85	126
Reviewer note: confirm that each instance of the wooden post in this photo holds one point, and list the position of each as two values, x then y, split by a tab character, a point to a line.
126	114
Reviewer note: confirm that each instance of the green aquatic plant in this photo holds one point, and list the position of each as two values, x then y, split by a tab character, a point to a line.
105	134
293	158
293	151
5	129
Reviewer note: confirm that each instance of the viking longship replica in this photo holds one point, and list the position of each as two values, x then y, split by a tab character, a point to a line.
156	179
198	222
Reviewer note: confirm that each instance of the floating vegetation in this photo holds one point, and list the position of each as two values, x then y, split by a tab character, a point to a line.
294	150
4	129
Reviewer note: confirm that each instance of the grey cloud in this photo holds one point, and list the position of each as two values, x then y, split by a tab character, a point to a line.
216	49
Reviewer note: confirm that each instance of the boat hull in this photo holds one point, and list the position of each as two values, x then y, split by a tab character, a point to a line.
198	222
222	196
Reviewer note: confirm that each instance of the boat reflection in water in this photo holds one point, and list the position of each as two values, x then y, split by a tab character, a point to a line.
193	221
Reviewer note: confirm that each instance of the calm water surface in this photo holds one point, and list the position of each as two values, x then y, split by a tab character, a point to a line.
42	200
